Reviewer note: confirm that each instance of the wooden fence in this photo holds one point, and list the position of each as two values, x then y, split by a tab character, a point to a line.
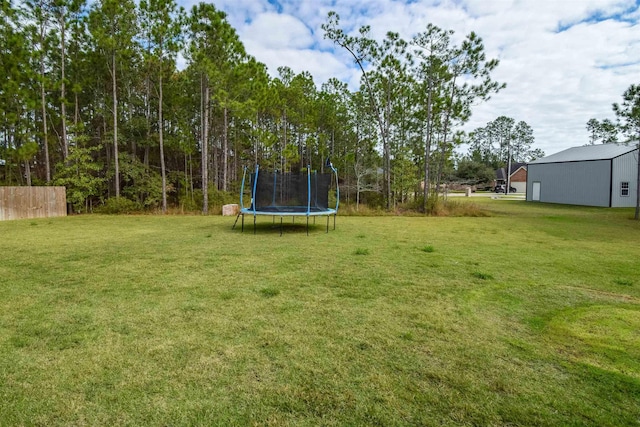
32	202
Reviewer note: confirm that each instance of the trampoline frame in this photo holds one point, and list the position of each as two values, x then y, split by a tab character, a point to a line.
288	211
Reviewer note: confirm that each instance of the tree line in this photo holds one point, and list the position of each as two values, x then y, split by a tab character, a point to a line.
92	98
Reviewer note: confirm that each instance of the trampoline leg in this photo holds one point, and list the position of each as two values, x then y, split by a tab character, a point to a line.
235	222
334	222
307	226
243	223
280	226
327	223
254	224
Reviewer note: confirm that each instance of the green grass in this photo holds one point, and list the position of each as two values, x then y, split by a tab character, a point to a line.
530	316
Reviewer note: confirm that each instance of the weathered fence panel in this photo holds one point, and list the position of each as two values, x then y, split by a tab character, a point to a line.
32	202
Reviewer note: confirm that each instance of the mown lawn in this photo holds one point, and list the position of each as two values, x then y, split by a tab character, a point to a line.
528	317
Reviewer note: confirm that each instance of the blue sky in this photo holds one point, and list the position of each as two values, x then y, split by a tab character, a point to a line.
564	61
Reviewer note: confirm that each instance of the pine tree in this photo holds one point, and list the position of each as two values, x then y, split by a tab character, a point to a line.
113	26
163	19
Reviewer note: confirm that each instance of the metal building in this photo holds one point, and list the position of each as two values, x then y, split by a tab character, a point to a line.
593	175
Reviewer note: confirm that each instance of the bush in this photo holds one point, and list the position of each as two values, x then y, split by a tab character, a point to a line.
349	209
119	205
191	203
194	203
218	198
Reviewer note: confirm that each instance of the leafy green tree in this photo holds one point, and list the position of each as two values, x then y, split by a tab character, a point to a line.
362	48
464	77
432	51
113	25
628	114
391	85
481	148
40	15
474	172
216	53
60	14
18	89
25	154
521	141
501	135
503	139
163	19
141	184
604	132
535	154
80	174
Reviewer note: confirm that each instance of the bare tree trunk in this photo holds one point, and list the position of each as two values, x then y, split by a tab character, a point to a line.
255	144
27	171
44	125
446	129
161	144
63	101
225	148
215	162
236	150
76	114
300	149
115	124
284	143
204	106
148	114
191	176
427	149
387	148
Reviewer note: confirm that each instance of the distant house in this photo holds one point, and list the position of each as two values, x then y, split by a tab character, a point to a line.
518	176
593	175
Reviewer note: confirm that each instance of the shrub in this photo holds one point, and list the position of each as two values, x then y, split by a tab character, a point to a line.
120	205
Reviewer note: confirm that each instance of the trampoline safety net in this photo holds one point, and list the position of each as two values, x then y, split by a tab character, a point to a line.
288	192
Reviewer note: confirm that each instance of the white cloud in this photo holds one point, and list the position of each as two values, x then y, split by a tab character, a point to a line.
564	62
277	31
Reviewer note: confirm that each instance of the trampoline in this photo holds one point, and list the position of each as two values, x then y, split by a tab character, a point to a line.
289	195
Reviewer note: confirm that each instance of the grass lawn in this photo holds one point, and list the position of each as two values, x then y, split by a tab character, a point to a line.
528	317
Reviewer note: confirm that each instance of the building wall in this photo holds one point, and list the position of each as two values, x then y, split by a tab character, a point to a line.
519	180
625	169
575	183
519	176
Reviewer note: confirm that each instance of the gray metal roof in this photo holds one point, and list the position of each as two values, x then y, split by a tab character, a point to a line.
588	152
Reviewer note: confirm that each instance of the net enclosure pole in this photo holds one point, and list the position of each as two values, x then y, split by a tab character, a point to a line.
253	191
335	172
253	197
275	181
308	189
308	195
244	175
